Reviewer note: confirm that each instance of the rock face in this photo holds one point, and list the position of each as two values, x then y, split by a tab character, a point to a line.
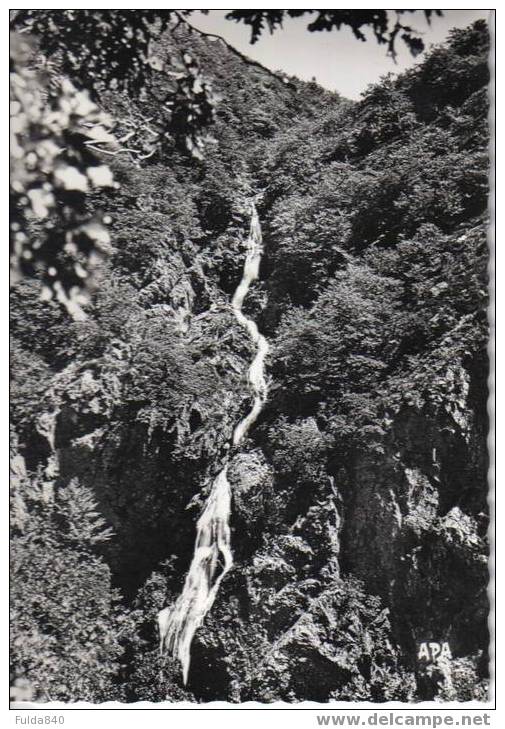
359	499
417	539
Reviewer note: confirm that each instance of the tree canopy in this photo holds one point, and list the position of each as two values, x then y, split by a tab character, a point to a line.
360	510
384	29
62	141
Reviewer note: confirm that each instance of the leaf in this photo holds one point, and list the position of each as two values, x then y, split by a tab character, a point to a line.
70	178
100	176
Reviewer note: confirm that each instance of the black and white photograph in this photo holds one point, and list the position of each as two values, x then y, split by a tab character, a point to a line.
251	358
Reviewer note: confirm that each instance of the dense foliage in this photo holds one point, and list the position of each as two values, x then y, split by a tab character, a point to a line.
66	616
359	499
115	49
379	21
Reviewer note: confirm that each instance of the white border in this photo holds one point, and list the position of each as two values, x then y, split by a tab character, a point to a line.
220	713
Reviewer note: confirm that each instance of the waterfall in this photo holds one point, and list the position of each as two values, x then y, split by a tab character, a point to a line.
212	557
257	368
178	624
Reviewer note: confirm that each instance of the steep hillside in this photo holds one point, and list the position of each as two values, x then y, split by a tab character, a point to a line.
359	498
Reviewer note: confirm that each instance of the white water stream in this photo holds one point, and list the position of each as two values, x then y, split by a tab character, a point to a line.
212	558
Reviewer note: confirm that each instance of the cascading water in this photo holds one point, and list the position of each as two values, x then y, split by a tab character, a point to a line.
212	558
178	624
257	368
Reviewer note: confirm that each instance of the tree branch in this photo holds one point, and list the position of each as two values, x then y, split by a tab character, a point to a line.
250	62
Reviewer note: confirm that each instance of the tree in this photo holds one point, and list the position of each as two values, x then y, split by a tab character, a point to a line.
59	134
372	296
65	615
356	20
100	50
58	128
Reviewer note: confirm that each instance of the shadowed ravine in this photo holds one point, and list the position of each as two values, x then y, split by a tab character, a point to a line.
212	558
